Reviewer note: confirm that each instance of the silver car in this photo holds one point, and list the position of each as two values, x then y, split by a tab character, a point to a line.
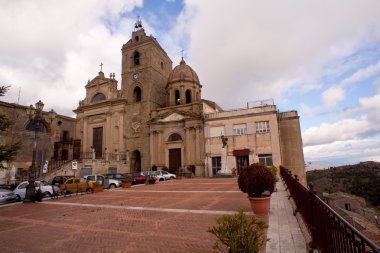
45	188
7	196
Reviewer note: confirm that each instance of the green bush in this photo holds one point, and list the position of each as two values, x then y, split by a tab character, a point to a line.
239	232
256	180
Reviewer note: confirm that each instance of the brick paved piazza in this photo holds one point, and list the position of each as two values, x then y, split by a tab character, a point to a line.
169	216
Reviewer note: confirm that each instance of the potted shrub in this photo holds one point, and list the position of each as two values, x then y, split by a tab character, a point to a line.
97	187
258	182
239	232
126	182
152	178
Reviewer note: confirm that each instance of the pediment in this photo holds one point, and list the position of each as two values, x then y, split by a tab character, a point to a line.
172	117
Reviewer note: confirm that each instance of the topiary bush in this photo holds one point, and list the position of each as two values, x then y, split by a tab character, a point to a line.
239	233
256	180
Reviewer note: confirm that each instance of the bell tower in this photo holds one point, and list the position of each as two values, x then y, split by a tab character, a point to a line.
145	71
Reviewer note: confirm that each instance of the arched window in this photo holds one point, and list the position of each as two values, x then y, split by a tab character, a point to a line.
98	97
137	94
188	96
176	95
136	58
162	65
175	137
136	38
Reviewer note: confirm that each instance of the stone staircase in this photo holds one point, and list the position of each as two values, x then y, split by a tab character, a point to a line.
63	169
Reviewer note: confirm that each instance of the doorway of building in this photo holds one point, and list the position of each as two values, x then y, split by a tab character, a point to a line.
136	161
97	141
241	162
76	149
174	160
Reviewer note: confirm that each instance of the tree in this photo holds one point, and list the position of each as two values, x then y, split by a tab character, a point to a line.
7	151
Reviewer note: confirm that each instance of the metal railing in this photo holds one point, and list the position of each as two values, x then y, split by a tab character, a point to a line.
329	231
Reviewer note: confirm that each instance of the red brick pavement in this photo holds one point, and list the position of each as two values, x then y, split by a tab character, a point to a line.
118	221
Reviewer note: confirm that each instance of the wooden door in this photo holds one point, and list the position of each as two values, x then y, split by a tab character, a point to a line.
174	160
97	141
241	162
76	150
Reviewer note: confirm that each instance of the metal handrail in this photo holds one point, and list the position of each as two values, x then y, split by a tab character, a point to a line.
329	231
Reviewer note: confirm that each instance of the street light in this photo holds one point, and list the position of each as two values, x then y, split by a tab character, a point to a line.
36	124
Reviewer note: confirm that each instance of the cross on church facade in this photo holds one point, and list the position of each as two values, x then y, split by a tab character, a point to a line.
101	67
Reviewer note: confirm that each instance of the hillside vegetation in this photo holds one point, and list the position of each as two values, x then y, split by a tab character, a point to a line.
361	179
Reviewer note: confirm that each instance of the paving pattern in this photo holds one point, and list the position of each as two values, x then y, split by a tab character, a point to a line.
170	216
284	233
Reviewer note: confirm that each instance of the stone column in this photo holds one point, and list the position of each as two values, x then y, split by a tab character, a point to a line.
85	143
197	145
187	145
223	154
121	132
160	144
151	142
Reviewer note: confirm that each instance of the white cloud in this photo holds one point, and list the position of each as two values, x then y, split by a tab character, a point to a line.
351	151
361	74
53	47
332	96
376	85
360	122
346	129
264	49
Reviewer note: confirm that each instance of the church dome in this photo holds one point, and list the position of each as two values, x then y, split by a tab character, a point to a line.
183	72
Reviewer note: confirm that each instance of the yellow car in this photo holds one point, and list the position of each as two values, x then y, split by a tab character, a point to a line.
75	185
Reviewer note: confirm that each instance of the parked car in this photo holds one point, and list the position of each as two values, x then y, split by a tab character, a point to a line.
117	176
45	188
149	173
75	185
108	183
60	179
7	196
137	178
164	175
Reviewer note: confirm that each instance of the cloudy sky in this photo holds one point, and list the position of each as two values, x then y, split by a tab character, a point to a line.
321	58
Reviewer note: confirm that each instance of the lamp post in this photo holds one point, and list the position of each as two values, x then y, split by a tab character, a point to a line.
36	123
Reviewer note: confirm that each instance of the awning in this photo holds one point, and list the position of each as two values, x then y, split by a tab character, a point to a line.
240	152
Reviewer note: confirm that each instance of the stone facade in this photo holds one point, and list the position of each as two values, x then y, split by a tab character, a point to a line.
59	133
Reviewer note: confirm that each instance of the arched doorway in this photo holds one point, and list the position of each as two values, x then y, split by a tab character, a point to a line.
136	161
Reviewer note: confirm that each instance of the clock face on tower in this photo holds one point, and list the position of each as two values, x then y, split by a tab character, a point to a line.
135	76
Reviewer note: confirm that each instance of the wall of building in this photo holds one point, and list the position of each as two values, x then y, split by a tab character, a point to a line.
45	141
291	144
257	143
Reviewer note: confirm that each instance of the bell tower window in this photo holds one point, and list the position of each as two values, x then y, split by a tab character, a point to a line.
136	58
177	99
188	96
137	94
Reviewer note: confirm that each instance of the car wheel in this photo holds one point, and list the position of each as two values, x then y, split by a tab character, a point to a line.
47	194
171	178
112	186
88	190
18	198
162	179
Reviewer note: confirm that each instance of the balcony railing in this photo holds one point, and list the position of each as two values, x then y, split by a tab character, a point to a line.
329	231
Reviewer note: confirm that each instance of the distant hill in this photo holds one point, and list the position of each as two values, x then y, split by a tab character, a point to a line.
361	179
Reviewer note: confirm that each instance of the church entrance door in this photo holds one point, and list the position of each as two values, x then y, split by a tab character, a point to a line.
174	160
97	141
136	161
